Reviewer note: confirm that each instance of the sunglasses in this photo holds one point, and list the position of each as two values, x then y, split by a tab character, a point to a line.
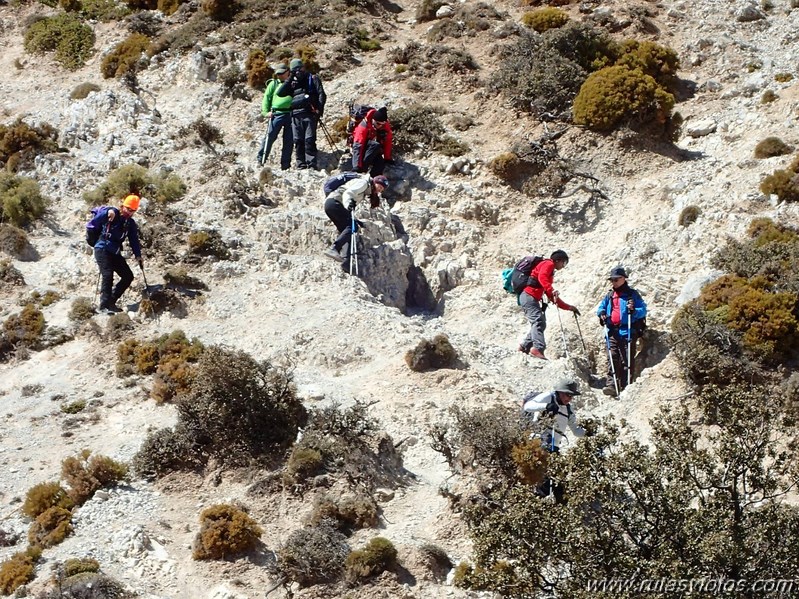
614	279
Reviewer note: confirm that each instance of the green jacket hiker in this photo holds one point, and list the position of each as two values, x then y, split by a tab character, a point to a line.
277	110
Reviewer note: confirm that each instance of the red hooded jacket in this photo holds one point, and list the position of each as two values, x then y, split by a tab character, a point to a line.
545	273
366	131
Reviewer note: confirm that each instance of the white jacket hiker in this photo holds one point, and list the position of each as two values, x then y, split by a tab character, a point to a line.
556	403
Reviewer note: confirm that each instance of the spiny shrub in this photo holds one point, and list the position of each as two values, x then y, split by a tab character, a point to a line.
118	326
238	408
134	356
203	132
43	496
220	10
545	18
376	557
659	62
124	57
504	165
350	512
531	461
74	566
225	530
18	569
88	585
772	146
169	6
160	301
167	450
173	377
81	309
304	462
66	35
146	23
307	54
73	407
783	77
162	186
616	95
432	354
20	143
26	328
87	473
50	527
102	10
313	555
9	274
688	215
178	276
258	69
208	243
13	240
21	201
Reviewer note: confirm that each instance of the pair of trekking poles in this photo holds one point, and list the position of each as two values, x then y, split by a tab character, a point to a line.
336	152
144	278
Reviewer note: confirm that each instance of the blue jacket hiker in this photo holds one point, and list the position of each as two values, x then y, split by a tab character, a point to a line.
277	111
623	314
116	225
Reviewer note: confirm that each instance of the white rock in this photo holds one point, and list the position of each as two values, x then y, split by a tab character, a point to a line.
749	12
444	11
701	127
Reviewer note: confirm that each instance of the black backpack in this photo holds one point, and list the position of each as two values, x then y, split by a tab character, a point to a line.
93	233
358	112
520	277
335	181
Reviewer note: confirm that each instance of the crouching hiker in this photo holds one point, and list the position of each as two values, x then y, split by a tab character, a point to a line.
114	226
541	280
372	143
554	404
623	314
343	193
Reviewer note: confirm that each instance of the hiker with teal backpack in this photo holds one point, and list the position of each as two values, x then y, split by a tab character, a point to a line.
622	312
535	284
106	231
277	111
308	100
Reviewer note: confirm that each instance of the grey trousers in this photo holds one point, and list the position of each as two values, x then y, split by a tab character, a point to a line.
538	322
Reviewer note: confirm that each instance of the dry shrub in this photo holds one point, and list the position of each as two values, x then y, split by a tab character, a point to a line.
173	377
20	143
313	555
376	557
18	569
304	462
162	300
349	513
432	354
125	56
13	240
25	329
81	309
505	165
66	35
258	69
768	97
225	530
426	10
43	496
21	200
118	326
531	461
10	275
208	243
162	186
545	18
88	585
74	566
87	473
134	356
784	183
178	276
50	527
220	10
167	450
772	146
688	216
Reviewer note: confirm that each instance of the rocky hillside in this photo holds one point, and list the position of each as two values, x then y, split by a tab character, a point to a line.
434	255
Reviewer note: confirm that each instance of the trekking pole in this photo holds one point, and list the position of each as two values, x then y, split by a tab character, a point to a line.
146	286
629	348
610	361
354	245
580	333
336	152
96	289
562	332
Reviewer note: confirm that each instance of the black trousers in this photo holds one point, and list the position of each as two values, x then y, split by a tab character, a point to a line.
304	131
342	218
618	350
373	160
109	264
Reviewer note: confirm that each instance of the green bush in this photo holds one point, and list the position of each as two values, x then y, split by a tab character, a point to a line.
432	354
102	10
545	18
21	200
659	62
619	95
225	530
18	569
124	57
258	70
208	243
220	10
504	165
376	557
772	146
768	97
73	407
74	566
783	77
167	450
783	183
688	215
313	555
134	356
20	143
304	462
162	186
50	527
351	512
13	240
66	35
43	496
25	329
87	473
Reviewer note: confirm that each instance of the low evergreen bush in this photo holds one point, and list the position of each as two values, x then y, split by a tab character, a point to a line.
376	557
21	200
125	56
432	354
20	143
313	555
50	528
225	530
544	19
770	147
43	496
66	35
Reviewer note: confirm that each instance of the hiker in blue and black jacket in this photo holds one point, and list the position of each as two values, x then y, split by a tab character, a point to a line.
116	225
307	107
622	312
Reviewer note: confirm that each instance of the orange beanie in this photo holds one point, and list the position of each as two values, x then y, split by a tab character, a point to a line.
132	202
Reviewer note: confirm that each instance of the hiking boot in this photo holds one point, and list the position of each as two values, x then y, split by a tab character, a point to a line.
110	309
537	353
523	349
332	252
609	391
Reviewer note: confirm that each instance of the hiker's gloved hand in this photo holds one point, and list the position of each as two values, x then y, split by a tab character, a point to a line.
140	260
630	305
349	204
575	310
603	319
111	215
552	408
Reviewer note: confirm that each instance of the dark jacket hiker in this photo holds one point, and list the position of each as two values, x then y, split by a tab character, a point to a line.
116	225
308	100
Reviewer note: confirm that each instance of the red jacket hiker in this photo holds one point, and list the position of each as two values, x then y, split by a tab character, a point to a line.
545	273
370	129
